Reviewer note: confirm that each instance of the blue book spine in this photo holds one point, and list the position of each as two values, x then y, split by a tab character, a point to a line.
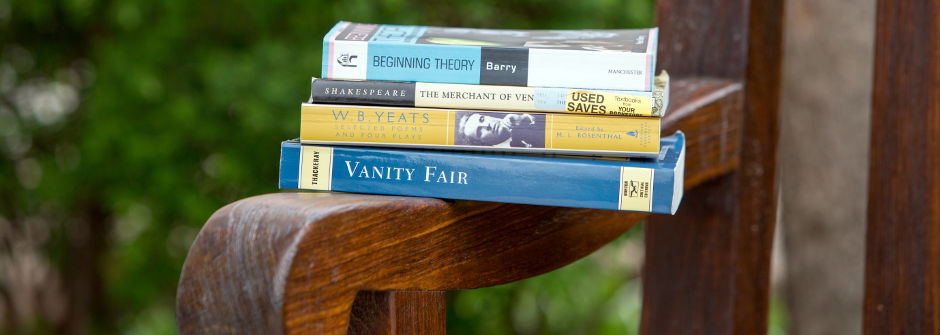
603	183
590	59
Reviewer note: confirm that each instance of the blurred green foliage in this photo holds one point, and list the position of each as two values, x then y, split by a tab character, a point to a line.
125	124
599	294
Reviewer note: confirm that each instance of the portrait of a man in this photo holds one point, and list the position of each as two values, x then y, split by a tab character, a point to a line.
496	129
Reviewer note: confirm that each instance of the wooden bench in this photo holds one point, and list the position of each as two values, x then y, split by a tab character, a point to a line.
324	263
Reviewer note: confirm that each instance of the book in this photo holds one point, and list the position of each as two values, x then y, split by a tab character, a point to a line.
495	97
603	183
451	129
622	59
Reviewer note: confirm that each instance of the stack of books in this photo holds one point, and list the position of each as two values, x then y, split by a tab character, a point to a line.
546	117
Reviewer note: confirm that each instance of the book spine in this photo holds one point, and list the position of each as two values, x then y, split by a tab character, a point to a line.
489	97
355	51
483	177
480	130
355	92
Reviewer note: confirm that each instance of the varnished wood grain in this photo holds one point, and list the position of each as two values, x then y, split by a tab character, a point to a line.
398	313
714	255
688	276
703	37
294	262
757	200
902	274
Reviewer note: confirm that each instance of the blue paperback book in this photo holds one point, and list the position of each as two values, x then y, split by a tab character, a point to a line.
588	182
613	59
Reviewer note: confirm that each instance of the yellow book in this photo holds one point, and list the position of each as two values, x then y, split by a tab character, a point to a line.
480	130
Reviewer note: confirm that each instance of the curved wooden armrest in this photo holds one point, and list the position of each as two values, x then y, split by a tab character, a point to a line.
294	262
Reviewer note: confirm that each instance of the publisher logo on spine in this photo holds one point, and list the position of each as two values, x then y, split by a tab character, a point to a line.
636	189
636	193
346	60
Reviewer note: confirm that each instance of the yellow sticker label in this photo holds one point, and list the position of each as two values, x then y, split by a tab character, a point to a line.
636	189
603	103
582	132
316	165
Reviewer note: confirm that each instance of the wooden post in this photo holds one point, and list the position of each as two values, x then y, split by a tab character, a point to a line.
902	274
713	258
398	313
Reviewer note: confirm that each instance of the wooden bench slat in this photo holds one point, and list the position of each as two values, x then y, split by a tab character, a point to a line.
707	269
